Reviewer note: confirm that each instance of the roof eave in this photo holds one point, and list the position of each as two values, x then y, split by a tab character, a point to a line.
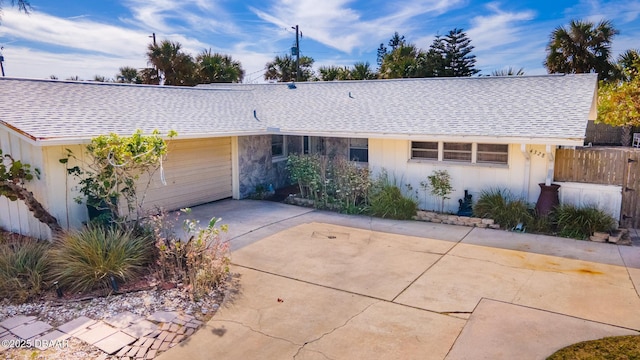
444	137
58	141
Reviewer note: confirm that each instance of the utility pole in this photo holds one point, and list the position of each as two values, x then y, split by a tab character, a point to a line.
153	35
1	61
297	52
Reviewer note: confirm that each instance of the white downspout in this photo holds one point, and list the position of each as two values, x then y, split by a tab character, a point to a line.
527	171
550	166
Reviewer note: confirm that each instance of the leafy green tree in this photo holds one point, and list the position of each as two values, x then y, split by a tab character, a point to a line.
619	105
583	47
177	67
218	68
438	184
381	52
395	42
148	76
283	69
127	75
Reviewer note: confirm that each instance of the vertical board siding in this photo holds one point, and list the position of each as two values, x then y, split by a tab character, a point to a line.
63	188
14	215
394	157
606	166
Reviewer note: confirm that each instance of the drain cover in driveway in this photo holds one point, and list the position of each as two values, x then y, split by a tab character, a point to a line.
329	235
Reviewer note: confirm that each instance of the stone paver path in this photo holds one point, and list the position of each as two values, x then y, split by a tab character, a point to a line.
125	335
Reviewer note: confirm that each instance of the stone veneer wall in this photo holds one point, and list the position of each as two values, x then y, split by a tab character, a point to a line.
336	147
256	166
254	158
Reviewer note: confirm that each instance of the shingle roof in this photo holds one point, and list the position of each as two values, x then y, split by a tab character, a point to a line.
44	109
553	107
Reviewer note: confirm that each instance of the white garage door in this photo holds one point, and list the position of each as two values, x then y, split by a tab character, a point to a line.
196	171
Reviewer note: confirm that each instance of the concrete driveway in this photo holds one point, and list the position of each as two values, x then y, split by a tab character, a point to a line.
320	285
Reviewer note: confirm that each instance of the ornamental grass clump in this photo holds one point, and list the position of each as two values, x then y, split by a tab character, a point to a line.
387	200
89	258
23	264
581	222
504	208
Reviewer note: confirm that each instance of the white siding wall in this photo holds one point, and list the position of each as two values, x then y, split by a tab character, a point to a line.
14	215
605	197
394	156
63	189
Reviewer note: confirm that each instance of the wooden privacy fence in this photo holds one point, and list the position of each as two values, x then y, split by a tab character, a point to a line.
606	166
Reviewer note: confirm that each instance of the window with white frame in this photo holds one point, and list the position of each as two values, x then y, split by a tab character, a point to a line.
424	150
278	147
359	150
460	152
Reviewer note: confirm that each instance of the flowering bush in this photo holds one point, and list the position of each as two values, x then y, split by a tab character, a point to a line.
200	262
330	182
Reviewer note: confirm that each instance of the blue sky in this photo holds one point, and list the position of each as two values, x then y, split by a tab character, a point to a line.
86	38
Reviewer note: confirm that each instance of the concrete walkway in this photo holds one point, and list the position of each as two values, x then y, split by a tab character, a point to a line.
320	285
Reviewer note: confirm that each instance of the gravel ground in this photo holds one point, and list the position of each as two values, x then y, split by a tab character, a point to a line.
144	303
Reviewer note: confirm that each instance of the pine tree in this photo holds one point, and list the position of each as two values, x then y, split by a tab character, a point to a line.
458	60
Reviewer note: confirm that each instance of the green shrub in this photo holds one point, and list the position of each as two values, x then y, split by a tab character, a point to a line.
200	262
501	206
581	222
305	170
23	263
86	259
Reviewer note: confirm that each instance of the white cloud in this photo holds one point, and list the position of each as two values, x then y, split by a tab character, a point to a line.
79	33
23	62
334	24
166	16
499	28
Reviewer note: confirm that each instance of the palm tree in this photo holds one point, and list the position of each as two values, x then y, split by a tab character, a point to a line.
218	68
331	73
406	61
100	78
283	69
127	75
362	71
508	72
628	65
177	67
584	47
